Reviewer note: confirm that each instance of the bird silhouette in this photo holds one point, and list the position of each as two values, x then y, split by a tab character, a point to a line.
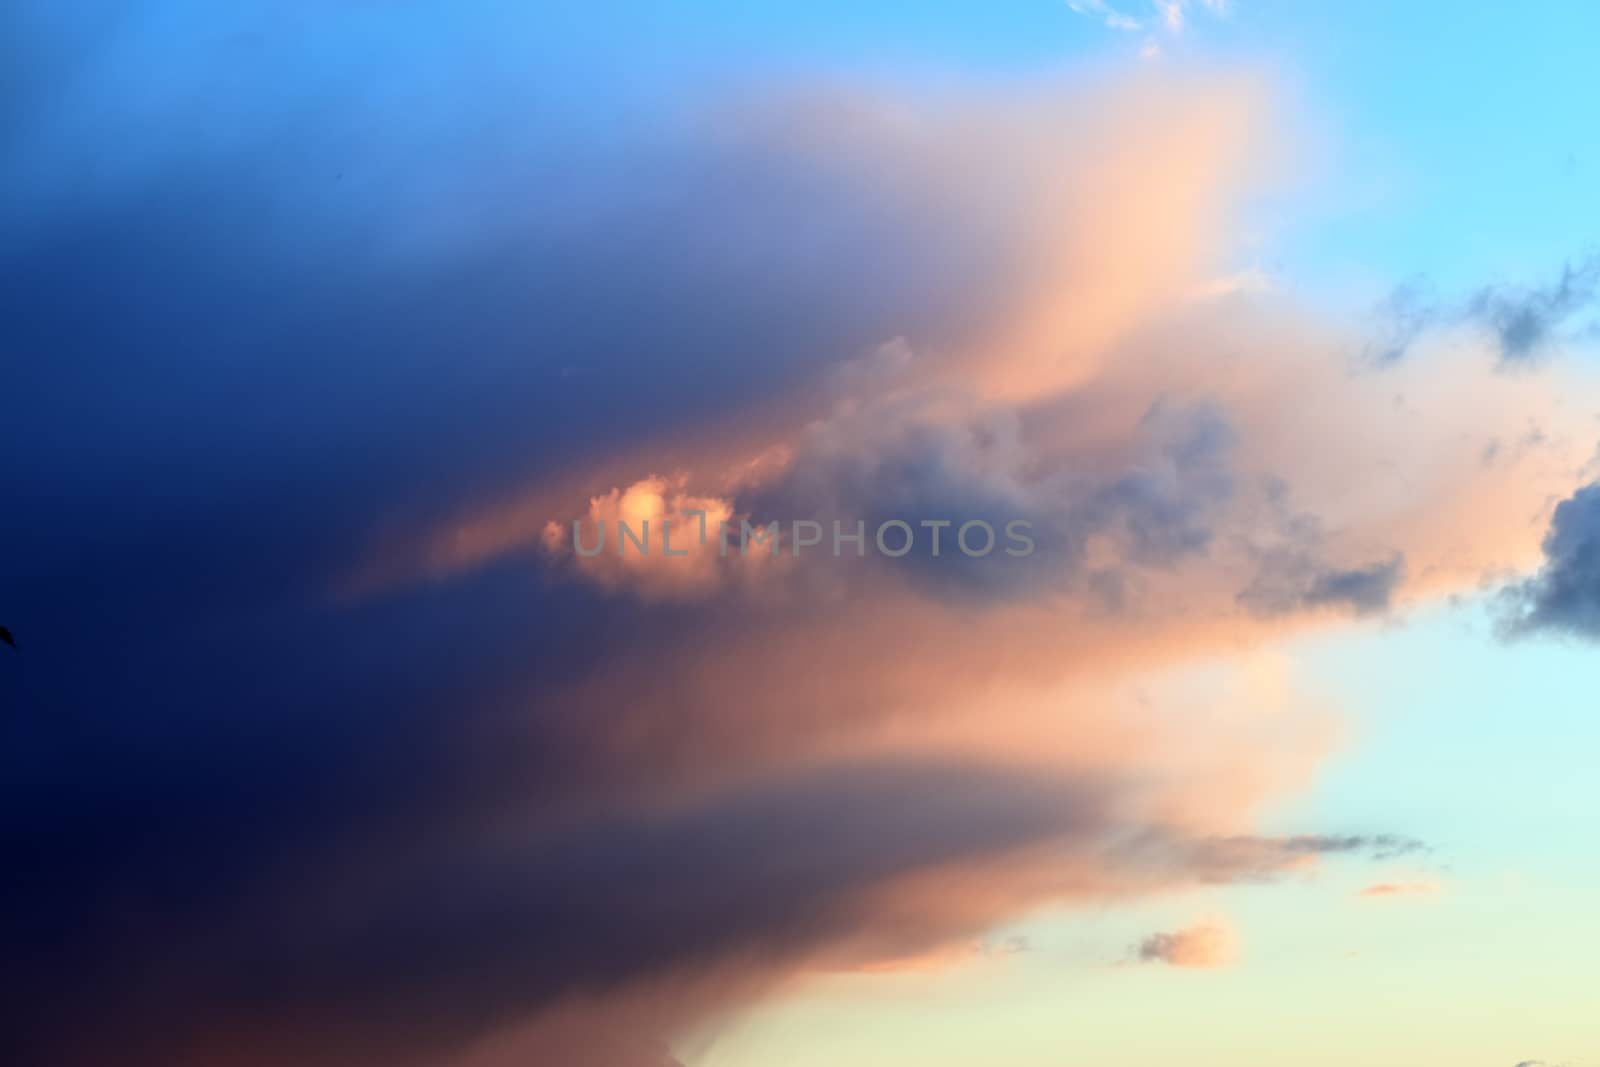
5	635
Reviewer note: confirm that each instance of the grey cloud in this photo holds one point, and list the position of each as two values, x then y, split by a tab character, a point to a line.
1365	590
1248	857
1402	316
1378	847
892	458
1199	946
1164	507
1564	596
1523	321
1293	574
1157	947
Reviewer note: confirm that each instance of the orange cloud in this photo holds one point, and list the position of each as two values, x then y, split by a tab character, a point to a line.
1203	947
1334	469
654	538
1400	889
1207	471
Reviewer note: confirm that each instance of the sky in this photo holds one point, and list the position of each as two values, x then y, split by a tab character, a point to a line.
1263	338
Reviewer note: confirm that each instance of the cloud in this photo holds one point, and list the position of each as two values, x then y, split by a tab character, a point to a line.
1523	322
1168	15
1399	889
1246	857
527	919
652	537
1293	582
1403	316
1099	9
1293	576
1564	596
326	757
1203	947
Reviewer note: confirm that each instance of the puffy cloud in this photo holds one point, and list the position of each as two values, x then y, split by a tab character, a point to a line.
1564	596
652	537
1206	946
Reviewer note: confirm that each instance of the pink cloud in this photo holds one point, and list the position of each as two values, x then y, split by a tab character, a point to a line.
1203	947
1400	889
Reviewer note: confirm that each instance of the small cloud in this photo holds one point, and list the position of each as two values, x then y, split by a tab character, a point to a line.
1403	315
1174	14
1251	280
1365	590
1014	945
1252	858
1400	889
1111	17
1564	596
1205	946
1524	321
1169	17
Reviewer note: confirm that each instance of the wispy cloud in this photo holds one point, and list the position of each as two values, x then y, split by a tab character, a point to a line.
1169	17
1104	12
1400	889
1523	322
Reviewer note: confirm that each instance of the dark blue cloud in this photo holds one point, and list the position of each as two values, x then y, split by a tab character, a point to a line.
280	278
1564	597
